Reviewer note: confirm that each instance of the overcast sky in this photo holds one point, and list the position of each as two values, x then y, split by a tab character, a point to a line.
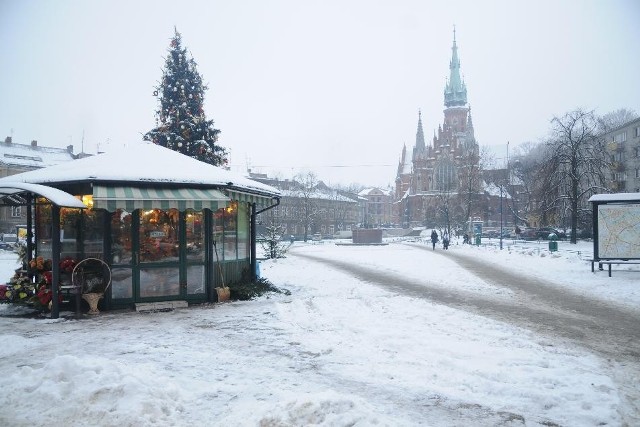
314	85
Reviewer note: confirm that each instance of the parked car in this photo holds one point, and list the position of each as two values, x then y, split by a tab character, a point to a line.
581	233
491	234
544	232
529	234
8	242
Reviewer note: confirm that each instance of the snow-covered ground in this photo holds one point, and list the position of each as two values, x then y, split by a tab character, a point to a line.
336	352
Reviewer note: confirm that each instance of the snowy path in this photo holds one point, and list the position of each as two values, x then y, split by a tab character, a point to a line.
590	322
532	303
339	351
609	330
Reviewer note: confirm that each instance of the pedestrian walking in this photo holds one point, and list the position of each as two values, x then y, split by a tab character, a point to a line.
445	240
434	239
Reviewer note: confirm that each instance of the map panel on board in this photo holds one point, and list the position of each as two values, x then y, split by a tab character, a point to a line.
619	231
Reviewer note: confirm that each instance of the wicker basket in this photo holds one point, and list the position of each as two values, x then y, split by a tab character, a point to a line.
92	299
92	277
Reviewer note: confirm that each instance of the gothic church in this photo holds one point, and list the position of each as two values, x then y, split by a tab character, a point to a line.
435	183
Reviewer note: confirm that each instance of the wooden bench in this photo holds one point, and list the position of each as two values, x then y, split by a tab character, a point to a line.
610	262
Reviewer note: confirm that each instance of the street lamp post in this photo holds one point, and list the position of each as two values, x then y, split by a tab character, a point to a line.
501	216
515	197
501	185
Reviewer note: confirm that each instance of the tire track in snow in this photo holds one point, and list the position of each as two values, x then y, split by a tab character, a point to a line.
522	311
597	325
610	331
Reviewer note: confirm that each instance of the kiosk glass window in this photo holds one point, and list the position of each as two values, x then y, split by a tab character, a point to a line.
196	279
217	234
43	229
70	224
159	235
230	229
195	236
92	233
121	243
243	231
121	254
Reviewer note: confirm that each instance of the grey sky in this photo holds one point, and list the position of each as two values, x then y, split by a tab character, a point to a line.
311	85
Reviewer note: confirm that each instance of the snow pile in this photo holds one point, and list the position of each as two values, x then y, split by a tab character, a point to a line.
338	351
72	388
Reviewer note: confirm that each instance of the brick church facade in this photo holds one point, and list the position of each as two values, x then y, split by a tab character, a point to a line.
438	184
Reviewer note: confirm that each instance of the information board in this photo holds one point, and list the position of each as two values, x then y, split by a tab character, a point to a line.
619	231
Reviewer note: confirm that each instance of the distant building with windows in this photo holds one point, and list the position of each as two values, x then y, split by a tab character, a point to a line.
17	158
623	144
377	207
305	212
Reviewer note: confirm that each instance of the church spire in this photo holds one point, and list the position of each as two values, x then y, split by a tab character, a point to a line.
455	91
420	133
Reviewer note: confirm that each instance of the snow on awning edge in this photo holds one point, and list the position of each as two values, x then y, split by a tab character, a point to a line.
615	197
57	197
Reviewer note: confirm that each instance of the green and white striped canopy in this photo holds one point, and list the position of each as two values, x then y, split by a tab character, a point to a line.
250	198
132	198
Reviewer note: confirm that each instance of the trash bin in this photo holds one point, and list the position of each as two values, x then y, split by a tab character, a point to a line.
478	239
553	244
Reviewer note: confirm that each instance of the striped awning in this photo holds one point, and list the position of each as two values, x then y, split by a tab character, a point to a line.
250	198
132	198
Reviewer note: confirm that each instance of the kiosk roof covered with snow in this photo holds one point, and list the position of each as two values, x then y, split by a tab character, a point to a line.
168	226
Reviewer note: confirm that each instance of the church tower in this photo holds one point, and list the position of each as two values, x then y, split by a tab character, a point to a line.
455	91
420	159
438	169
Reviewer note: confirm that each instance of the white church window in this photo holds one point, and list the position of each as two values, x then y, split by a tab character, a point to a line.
445	176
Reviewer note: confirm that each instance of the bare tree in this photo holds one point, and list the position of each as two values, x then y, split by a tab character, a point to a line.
306	206
577	163
470	178
525	167
446	186
615	119
550	185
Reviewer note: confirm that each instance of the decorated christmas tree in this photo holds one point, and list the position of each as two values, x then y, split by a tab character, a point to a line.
181	124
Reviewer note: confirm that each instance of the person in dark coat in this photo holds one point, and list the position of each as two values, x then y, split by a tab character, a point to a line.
445	240
434	238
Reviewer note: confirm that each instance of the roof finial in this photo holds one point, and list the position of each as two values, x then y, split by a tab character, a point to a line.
454	33
420	132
